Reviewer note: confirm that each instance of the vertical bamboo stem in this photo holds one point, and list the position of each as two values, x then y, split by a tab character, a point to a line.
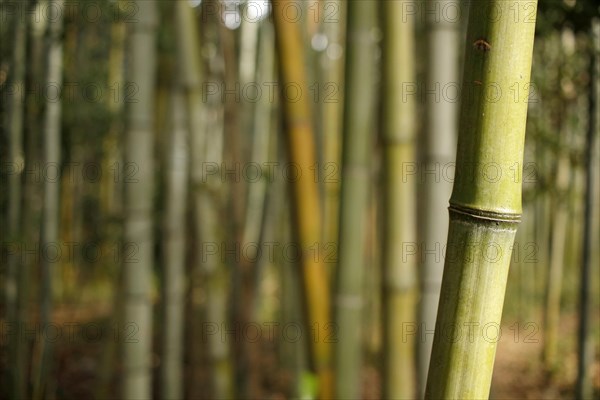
439	146
557	260
331	122
138	235
50	208
485	206
357	148
174	253
17	164
206	121
399	271
583	386
301	145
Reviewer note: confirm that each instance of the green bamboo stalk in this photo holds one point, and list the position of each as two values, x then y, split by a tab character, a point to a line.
50	210
32	209
583	384
293	354
206	139
557	260
259	123
438	150
259	201
111	193
399	271
16	157
358	142
333	65
254	115
111	190
485	206
174	222
174	252
301	145
139	144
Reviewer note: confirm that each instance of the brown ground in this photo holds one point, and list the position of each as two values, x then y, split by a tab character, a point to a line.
518	371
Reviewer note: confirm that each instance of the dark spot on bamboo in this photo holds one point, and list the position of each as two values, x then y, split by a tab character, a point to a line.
482	45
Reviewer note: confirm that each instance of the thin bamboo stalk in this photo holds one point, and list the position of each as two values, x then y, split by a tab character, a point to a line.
257	202
301	145
359	113
439	146
206	139
557	260
110	190
31	209
50	210
139	144
174	253
111	193
399	271
16	158
485	206
333	65
583	386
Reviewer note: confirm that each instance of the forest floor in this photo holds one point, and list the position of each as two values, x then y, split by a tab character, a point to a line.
517	374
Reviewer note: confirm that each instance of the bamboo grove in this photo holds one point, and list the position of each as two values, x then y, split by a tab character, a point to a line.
283	199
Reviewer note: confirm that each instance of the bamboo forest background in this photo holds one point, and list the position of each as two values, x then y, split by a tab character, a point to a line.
227	199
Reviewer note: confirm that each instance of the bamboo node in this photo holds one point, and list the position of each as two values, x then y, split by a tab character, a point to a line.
493	216
350	301
482	45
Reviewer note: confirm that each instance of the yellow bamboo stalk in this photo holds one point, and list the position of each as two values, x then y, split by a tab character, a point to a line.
301	144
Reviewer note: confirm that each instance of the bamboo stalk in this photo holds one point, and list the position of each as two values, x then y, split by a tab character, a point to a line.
439	146
557	259
14	231
331	122
138	235
206	139
399	271
301	145
583	386
357	147
32	209
111	191
51	208
485	206
174	253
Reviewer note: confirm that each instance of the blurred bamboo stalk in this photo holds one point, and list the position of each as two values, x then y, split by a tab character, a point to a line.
359	113
261	133
15	123
174	252
256	68
139	195
301	145
25	369
45	381
438	152
331	96
583	385
174	223
560	215
111	192
558	236
399	271
484	209
206	121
